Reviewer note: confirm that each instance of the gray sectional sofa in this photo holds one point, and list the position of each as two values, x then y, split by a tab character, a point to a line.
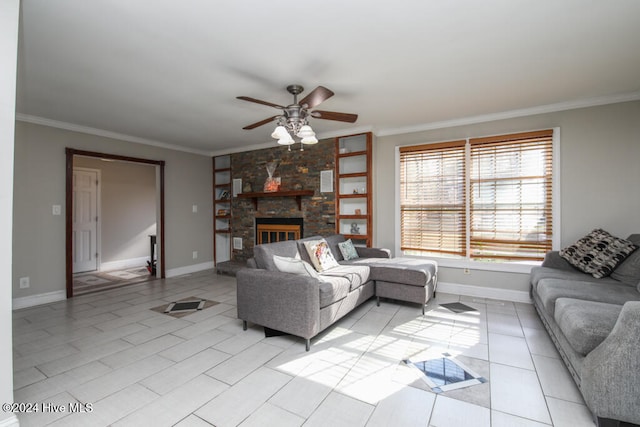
304	305
595	325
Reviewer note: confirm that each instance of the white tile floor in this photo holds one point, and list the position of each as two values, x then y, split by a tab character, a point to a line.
138	367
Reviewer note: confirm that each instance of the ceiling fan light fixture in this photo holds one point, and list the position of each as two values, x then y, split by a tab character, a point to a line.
286	140
280	133
305	131
309	139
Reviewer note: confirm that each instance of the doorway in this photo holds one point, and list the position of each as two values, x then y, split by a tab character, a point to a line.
86	214
72	186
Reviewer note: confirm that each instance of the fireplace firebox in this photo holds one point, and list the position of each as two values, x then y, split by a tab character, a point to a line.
270	230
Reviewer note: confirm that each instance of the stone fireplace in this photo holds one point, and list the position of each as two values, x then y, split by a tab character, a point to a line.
297	170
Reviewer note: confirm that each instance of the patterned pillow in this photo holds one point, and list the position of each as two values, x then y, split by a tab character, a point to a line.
348	250
598	253
320	254
295	266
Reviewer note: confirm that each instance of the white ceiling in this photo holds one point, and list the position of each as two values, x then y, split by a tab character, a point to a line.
168	72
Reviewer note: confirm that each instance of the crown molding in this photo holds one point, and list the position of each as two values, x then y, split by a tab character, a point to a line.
523	112
105	133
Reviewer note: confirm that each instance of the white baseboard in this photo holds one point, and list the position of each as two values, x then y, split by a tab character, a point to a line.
124	263
173	272
33	300
482	292
11	421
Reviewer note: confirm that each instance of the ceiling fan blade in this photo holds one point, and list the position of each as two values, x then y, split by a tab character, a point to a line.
316	96
258	101
260	123
332	115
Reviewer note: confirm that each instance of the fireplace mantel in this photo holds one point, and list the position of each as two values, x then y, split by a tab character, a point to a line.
297	194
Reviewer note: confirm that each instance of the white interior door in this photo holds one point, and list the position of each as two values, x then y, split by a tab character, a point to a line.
85	220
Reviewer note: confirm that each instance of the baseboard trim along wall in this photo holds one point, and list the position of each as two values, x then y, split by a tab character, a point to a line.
12	421
179	271
49	297
33	300
482	292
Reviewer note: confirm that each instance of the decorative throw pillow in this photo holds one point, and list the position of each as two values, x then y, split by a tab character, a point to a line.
348	250
598	253
295	266
320	254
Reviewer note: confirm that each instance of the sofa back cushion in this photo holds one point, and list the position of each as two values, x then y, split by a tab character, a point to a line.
263	254
628	271
333	242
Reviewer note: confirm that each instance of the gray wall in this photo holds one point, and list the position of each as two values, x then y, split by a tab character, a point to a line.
39	183
599	172
127	207
9	13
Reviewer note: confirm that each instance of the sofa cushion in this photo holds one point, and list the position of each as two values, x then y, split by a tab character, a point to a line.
585	324
629	270
347	250
333	289
320	254
357	275
598	253
549	290
407	271
294	266
263	254
539	273
333	241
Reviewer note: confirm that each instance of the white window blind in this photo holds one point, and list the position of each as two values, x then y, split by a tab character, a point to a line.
504	214
510	187
432	198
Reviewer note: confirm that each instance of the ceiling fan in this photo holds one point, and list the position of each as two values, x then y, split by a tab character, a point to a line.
294	117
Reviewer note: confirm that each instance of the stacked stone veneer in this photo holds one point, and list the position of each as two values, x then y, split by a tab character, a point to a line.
294	167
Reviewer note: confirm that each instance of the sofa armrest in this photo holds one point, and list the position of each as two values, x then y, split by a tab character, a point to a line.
610	382
552	259
282	301
373	252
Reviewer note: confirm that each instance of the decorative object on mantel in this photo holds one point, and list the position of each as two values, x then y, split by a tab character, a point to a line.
297	186
247	188
294	119
271	184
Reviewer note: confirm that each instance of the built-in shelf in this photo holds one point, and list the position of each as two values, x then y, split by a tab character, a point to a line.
354	188
297	194
222	225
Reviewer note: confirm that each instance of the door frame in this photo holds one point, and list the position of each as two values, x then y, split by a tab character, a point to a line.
98	213
70	153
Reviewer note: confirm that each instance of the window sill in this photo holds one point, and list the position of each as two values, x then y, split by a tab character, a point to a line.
503	267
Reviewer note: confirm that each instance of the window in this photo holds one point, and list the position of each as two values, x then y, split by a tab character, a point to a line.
482	198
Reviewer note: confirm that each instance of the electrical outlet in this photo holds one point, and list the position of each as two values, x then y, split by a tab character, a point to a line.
24	282
466	271
56	210
195	254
